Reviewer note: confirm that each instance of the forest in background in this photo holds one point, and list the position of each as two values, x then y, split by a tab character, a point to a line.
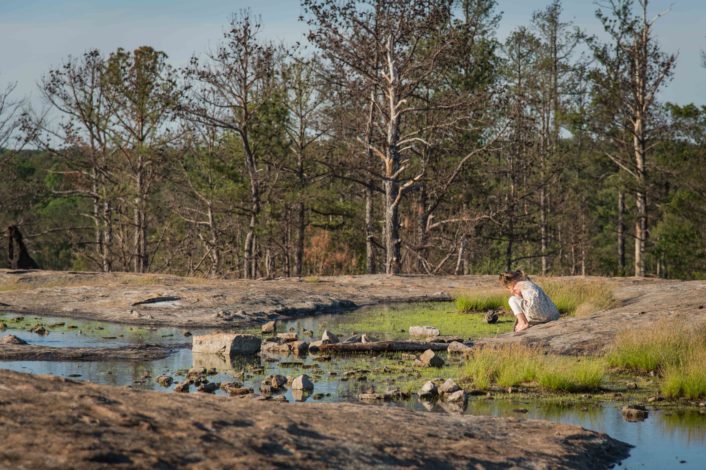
399	137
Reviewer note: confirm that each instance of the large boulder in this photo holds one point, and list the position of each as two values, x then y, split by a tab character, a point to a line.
303	382
423	331
226	344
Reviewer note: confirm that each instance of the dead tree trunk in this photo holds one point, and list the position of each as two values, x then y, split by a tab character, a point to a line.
17	253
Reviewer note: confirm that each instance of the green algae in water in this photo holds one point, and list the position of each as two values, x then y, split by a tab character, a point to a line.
392	322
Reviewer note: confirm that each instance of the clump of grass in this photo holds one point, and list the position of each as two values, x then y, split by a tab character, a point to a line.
514	365
687	379
676	351
654	348
480	301
579	296
568	374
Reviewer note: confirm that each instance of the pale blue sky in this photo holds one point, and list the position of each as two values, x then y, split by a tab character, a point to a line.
38	34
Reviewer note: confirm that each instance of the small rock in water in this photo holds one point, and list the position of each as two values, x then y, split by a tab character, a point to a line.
235	389
287	337
39	329
209	387
164	380
367	339
491	316
449	387
459	396
329	337
187	333
303	382
634	413
423	331
182	387
370	397
277	381
299	348
430	359
308	333
12	339
269	328
428	391
353	339
314	346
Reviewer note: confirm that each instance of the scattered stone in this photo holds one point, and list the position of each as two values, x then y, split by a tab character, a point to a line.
164	380
39	329
182	387
277	381
392	393
633	413
491	316
423	331
408	357
209	387
235	389
317	396
303	382
314	346
275	347
457	347
287	337
308	333
521	410
353	339
299	348
226	344
328	337
269	328
448	387
370	397
428	391
654	399
631	386
430	359
265	387
459	396
367	339
2	326
187	333
12	339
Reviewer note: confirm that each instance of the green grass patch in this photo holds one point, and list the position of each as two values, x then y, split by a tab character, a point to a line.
578	296
675	351
480	301
394	321
516	365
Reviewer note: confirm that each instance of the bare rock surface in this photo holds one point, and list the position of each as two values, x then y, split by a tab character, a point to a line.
643	303
34	352
117	297
50	422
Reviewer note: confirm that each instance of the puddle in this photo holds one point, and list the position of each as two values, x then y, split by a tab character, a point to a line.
667	439
63	332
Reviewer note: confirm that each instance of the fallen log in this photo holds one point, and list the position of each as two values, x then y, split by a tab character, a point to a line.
386	346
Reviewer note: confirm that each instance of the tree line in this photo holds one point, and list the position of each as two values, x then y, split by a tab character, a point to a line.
400	137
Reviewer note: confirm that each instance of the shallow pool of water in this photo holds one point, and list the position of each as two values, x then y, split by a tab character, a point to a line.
667	439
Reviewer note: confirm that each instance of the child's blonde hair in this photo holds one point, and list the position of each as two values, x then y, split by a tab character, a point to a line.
508	278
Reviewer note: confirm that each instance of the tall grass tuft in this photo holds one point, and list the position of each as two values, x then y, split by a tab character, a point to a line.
579	296
574	296
481	301
676	351
514	365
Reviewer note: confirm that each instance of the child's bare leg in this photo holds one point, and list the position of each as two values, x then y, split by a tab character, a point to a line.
516	307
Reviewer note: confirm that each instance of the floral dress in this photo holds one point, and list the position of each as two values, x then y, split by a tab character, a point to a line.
536	304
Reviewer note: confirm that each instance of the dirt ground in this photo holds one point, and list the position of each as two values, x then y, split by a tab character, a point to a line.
49	422
226	304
